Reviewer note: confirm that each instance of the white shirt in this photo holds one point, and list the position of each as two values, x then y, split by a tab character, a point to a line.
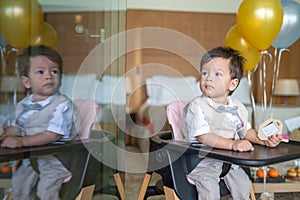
60	123
62	116
195	123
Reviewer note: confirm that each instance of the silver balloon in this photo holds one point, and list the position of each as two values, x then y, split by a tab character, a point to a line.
290	28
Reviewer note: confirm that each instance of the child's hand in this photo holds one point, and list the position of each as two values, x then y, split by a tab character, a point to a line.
10	131
2	136
242	145
12	142
273	140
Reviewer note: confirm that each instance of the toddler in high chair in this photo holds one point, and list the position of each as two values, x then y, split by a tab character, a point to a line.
217	120
42	117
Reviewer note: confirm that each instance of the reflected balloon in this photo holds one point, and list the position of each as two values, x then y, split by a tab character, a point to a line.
3	41
20	21
47	36
235	40
259	21
290	28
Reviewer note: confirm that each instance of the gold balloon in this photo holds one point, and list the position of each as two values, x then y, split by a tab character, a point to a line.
20	21
259	21
47	36
235	40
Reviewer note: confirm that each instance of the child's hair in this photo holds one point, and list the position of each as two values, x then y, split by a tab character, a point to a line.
236	60
37	50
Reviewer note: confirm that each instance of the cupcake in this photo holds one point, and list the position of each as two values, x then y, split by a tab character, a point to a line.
298	172
292	172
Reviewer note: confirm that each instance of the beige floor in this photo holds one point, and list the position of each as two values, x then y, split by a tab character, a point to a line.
136	165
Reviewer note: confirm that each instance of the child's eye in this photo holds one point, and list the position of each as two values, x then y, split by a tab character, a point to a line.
54	71
40	72
218	74
203	73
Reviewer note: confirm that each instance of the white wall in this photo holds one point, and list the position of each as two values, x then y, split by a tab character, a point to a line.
218	6
81	5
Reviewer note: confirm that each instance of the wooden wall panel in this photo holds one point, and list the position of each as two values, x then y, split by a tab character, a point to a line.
72	46
209	30
288	69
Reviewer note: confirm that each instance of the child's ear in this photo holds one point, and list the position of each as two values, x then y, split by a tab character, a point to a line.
26	82
233	84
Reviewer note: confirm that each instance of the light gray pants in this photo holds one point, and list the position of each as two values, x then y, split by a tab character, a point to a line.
27	183
207	183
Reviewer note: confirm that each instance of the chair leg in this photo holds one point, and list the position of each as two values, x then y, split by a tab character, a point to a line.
120	185
10	195
144	186
252	194
170	194
86	193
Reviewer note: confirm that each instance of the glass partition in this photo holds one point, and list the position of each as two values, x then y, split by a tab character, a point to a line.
89	37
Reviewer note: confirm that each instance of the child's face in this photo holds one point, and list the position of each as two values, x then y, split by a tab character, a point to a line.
216	81
43	77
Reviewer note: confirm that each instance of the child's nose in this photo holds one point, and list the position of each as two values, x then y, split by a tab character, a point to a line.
208	77
49	75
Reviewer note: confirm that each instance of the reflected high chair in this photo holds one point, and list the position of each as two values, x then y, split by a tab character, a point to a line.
79	161
86	160
174	165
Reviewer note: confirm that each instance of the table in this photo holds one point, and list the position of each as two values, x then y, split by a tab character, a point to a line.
168	153
76	151
80	152
261	156
7	154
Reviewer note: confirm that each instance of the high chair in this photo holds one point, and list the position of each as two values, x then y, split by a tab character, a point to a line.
83	181
80	162
174	165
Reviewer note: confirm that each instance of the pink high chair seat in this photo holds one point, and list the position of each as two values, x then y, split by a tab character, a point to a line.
87	114
175	113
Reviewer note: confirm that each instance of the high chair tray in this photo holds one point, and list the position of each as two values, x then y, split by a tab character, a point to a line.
261	156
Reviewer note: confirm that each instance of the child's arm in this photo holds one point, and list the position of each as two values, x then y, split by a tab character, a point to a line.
272	141
34	140
216	141
9	131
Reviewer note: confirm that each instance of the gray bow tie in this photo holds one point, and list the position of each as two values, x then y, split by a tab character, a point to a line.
222	109
28	107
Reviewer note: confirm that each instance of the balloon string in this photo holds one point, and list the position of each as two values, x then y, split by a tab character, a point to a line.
276	74
16	82
261	81
252	99
275	69
265	178
3	63
3	59
264	80
264	88
12	50
279	58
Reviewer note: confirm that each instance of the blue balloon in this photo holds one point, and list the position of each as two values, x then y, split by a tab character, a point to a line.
3	41
290	28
